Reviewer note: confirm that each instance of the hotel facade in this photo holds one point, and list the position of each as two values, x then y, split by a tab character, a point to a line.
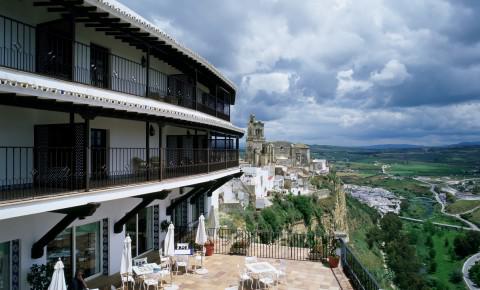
108	127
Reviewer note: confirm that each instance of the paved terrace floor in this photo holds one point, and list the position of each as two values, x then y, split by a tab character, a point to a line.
222	273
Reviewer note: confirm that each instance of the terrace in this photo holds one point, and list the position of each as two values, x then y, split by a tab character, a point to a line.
306	268
222	273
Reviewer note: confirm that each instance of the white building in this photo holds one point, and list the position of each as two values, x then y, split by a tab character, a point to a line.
258	179
108	127
319	166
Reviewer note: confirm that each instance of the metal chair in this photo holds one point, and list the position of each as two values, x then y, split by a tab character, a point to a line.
127	278
147	283
250	259
182	246
244	277
139	262
181	261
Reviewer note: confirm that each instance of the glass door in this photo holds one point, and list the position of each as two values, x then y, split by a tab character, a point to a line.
87	241
140	230
61	248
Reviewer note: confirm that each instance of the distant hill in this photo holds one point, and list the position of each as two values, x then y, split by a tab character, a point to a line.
392	146
400	146
465	144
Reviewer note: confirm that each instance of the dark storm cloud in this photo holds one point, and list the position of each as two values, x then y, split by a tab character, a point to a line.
340	71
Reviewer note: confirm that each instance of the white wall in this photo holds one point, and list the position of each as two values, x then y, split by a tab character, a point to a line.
29	229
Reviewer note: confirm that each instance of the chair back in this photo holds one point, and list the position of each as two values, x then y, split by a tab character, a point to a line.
139	262
182	246
181	258
165	265
251	259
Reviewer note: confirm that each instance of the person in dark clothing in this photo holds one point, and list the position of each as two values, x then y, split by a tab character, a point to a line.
78	283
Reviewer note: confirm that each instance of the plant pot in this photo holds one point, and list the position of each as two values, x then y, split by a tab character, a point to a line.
333	261
209	249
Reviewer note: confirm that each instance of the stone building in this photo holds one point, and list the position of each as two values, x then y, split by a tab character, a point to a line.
260	152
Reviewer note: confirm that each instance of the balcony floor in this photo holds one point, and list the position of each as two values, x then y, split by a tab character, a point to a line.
301	275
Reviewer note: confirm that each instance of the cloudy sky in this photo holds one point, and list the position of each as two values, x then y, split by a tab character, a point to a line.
343	72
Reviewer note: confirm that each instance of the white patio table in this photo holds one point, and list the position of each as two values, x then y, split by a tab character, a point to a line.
260	268
145	269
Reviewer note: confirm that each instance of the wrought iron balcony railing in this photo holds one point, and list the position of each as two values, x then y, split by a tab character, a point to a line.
34	172
66	59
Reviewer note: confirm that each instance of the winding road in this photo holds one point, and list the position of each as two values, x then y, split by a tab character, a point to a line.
470	261
442	204
466	266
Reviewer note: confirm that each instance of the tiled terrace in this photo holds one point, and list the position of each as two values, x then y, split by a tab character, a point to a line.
301	275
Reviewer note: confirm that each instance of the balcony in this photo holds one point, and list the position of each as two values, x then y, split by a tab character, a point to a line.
34	172
24	47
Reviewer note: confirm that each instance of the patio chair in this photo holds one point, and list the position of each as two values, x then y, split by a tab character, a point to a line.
281	272
165	270
181	262
182	246
127	278
250	260
139	262
268	280
162	257
244	277
147	283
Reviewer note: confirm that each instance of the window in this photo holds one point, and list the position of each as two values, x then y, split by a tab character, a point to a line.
5	266
61	247
198	207
140	229
86	240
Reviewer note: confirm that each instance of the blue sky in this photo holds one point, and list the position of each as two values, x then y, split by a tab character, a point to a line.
340	72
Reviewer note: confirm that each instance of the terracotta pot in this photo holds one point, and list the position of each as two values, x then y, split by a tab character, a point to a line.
209	250
333	261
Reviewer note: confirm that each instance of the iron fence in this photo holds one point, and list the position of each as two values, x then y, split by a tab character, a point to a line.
262	244
360	277
33	172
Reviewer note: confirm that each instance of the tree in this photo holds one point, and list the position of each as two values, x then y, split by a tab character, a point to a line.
474	274
467	244
391	226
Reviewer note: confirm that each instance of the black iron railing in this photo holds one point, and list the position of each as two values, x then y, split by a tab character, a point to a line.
262	244
33	172
66	59
359	276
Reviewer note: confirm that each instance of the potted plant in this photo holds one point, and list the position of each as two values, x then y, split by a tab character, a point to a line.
316	252
40	276
333	257
164	226
239	248
209	247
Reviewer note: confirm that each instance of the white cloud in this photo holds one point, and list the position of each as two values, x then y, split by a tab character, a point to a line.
270	82
392	74
346	84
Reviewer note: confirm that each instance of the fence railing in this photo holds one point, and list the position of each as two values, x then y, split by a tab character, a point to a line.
93	65
33	172
262	244
360	277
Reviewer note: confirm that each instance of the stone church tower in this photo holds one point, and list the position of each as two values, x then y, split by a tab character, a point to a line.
255	141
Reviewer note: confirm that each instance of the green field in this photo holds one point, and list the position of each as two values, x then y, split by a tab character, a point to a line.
444	257
461	206
474	217
433	161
